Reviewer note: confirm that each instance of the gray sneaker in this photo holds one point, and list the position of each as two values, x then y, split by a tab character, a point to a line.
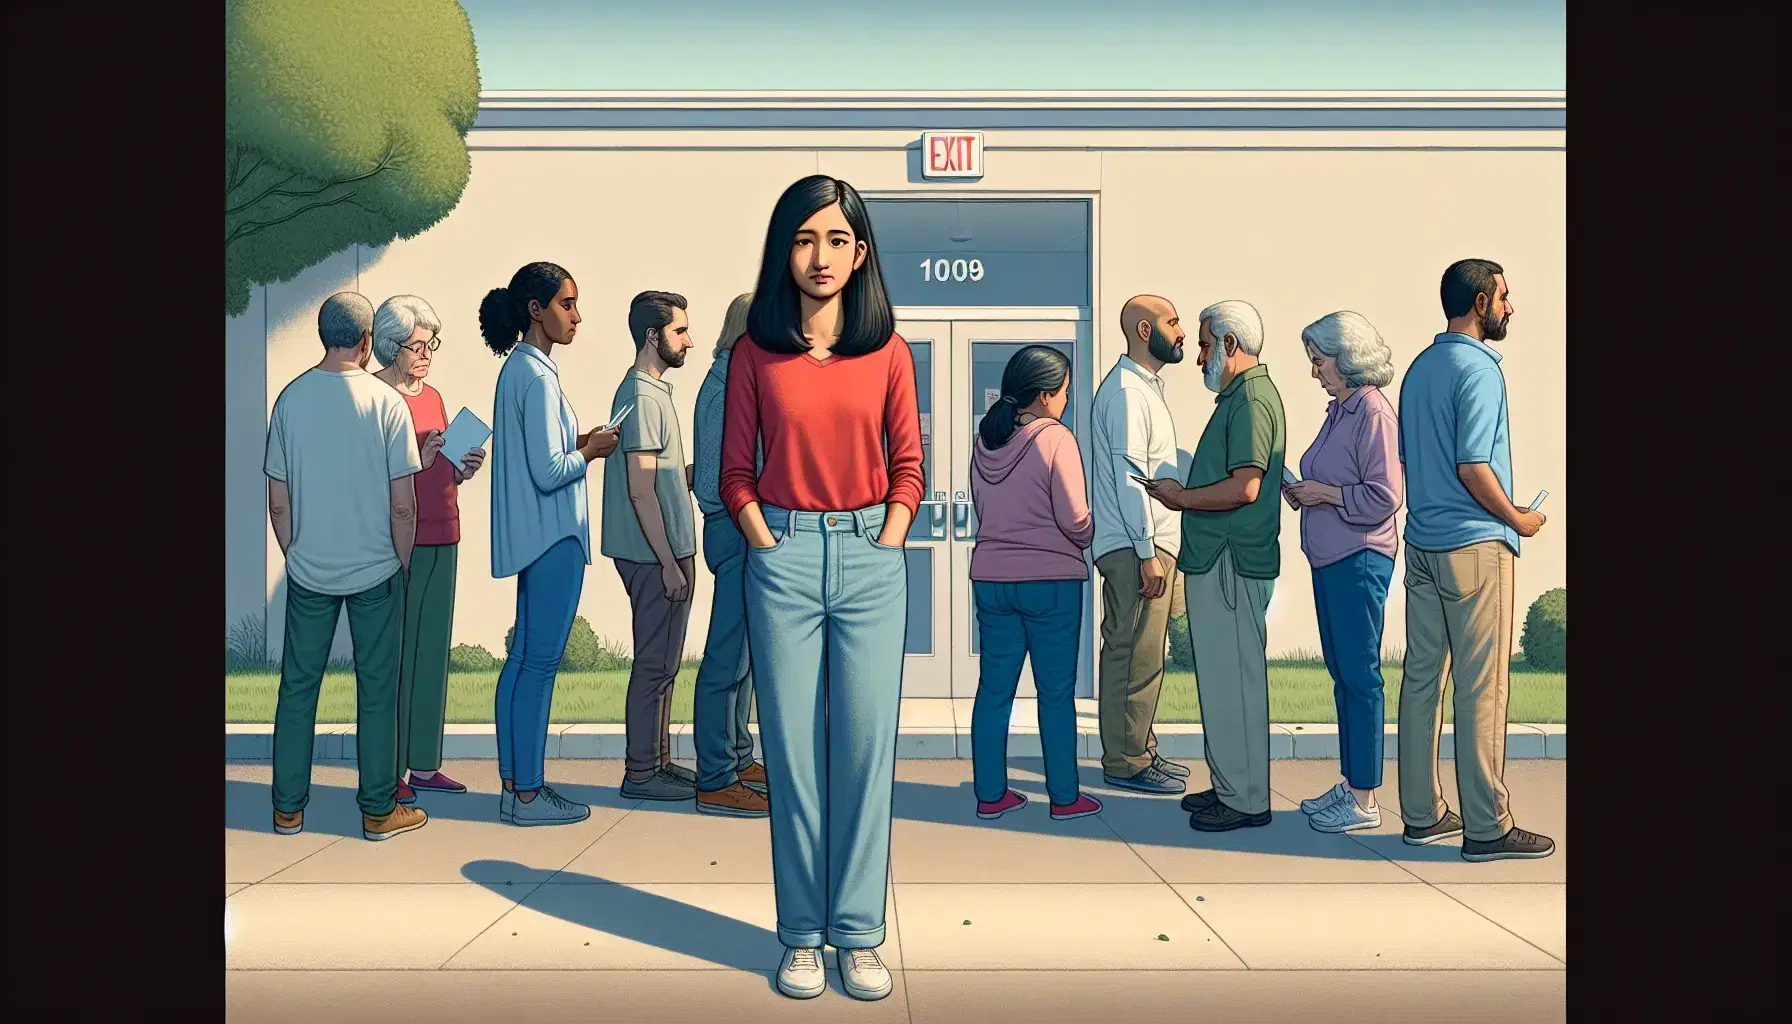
679	771
661	785
548	808
1149	780
1170	768
507	805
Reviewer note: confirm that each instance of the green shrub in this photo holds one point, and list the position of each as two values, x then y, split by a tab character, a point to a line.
246	646
585	650
471	658
1182	651
1545	639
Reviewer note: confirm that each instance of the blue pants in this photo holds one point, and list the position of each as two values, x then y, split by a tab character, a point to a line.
1351	597
825	627
547	598
1044	618
724	691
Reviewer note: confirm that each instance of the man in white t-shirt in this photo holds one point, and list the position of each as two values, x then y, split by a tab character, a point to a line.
340	457
1135	546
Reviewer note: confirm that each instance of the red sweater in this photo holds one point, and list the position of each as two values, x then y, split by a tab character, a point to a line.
824	424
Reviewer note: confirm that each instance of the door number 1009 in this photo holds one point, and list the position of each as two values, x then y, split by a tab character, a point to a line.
951	270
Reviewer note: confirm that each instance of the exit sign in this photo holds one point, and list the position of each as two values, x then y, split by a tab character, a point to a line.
952	154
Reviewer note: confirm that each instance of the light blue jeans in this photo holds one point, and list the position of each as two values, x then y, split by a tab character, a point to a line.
547	598
826	614
1044	617
724	690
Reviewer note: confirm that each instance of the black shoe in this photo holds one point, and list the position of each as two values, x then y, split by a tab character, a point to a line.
1516	844
1170	768
1220	818
1200	801
1148	780
1448	827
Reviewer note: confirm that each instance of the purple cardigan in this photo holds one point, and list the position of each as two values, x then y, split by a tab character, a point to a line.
1358	451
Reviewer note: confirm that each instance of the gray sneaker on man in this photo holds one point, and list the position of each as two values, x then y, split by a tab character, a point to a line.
661	785
506	805
1516	844
680	772
1170	768
1148	780
1448	827
548	808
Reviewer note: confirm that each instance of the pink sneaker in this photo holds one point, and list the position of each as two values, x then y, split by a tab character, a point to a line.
437	783
1012	802
406	795
1084	806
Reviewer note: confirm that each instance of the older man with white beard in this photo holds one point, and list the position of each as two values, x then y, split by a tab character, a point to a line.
1231	555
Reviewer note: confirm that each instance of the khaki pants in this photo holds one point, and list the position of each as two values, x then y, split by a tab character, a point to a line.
1135	636
1226	626
1458	621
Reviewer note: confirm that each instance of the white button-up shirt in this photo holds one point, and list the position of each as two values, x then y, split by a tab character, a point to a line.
538	475
1131	432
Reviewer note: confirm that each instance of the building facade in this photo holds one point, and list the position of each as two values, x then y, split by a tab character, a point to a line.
1002	219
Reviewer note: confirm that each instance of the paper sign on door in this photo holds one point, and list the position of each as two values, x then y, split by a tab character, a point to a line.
990	397
926	426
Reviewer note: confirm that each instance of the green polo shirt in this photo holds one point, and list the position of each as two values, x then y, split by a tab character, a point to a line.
1247	429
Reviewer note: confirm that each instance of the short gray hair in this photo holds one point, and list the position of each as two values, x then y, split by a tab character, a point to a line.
1363	358
344	319
1238	318
398	318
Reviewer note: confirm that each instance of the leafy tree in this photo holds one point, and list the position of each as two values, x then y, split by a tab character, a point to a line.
345	122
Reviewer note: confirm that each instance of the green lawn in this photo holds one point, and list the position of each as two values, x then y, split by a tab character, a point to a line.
1298	692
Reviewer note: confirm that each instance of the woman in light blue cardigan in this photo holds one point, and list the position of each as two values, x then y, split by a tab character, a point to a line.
540	529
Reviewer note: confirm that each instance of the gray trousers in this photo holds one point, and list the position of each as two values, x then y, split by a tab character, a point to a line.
659	630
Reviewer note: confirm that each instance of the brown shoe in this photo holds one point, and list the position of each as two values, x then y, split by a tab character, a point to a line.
737	801
402	819
753	775
289	824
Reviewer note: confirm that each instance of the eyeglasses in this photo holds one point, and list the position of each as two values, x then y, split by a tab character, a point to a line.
416	348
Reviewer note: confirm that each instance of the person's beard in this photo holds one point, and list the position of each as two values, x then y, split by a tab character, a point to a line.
1494	330
669	357
1162	348
1213	374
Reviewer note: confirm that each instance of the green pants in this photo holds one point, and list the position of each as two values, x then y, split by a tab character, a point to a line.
376	624
1226	627
423	674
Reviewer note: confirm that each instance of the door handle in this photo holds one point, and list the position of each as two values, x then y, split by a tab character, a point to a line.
933	519
963	516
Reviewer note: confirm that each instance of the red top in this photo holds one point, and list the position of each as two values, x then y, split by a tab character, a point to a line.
438	509
824	424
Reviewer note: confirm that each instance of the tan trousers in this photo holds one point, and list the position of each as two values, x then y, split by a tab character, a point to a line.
1227	629
1458	621
1135	636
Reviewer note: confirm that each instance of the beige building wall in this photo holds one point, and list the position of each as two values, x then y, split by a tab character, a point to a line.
1198	216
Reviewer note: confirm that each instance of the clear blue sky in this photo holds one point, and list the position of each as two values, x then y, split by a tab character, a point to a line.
1020	44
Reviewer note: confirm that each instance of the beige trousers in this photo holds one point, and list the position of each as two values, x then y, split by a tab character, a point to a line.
1135	637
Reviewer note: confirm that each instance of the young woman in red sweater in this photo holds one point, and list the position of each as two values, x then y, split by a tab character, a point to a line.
828	386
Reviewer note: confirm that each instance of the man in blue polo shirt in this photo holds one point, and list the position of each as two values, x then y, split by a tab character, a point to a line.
1462	534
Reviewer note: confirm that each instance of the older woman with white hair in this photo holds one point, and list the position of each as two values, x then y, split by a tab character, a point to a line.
405	339
1350	489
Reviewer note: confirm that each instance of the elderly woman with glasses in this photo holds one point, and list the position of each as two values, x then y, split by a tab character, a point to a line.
405	339
1349	490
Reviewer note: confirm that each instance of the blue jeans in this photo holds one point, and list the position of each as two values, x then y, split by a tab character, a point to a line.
825	627
547	598
1044	618
1351	598
724	691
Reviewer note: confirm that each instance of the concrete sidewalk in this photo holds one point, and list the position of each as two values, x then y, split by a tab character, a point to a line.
651	911
930	728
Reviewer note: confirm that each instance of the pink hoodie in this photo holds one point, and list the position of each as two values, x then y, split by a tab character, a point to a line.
1033	520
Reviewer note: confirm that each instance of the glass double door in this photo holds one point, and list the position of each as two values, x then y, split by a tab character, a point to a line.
958	377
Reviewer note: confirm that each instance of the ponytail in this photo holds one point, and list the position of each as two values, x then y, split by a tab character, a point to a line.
504	312
1034	370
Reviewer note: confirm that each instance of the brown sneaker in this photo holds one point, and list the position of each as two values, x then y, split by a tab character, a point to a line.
402	819
289	824
753	775
737	801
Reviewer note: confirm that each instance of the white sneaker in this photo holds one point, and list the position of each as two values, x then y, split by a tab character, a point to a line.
1325	799
801	975
863	973
1346	816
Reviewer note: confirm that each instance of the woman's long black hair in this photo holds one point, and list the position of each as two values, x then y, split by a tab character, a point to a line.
504	313
775	320
1034	370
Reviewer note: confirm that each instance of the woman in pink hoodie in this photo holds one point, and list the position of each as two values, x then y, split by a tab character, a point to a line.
1027	573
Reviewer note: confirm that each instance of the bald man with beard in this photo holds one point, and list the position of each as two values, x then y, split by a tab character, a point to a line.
1136	544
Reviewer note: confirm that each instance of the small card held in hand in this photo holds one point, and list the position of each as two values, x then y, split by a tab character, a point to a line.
1288	476
466	433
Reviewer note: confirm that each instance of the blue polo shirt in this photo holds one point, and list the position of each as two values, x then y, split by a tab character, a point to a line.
1452	412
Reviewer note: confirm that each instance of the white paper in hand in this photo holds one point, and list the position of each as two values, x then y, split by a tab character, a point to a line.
466	433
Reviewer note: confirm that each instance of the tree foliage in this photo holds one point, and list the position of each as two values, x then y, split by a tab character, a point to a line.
1545	637
345	122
